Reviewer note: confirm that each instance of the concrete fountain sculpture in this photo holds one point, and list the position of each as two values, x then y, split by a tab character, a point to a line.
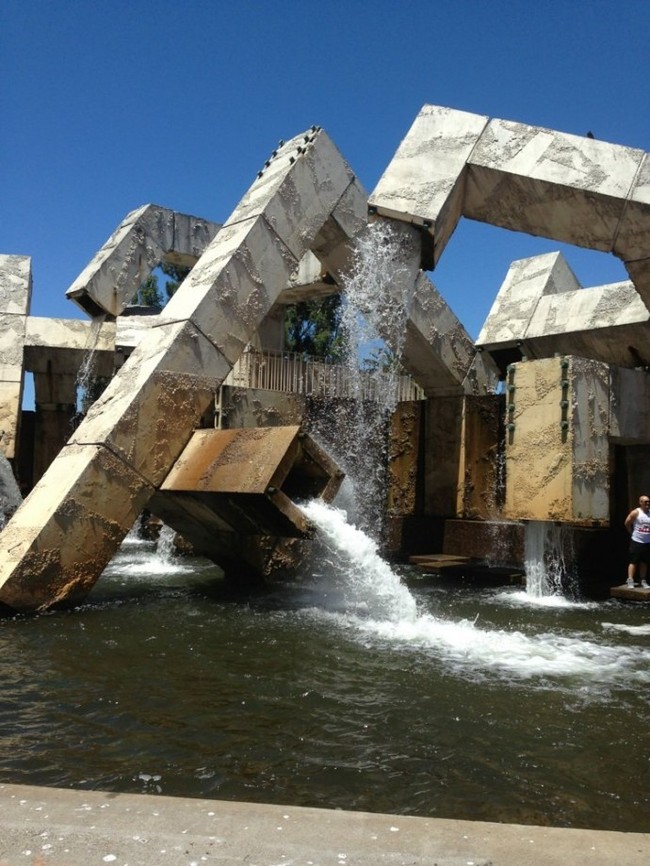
569	386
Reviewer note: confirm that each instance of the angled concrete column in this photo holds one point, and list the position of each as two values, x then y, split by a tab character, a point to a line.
147	414
15	297
146	237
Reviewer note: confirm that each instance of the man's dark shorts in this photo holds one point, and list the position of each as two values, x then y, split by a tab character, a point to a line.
639	553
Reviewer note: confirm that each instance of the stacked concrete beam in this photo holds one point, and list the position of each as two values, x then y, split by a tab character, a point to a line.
577	190
146	237
58	542
15	298
541	310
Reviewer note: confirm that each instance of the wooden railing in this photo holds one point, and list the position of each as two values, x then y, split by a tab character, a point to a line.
291	373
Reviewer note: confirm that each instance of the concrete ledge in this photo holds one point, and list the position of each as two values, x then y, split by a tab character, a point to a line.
631	593
80	828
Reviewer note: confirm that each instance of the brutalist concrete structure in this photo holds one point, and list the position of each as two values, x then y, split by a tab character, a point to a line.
559	440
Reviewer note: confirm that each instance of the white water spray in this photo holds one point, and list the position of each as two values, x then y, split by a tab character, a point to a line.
378	297
378	605
370	585
548	572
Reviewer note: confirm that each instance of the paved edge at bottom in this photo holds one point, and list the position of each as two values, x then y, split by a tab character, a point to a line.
63	827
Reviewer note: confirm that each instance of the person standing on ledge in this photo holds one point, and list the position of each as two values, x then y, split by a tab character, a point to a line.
637	524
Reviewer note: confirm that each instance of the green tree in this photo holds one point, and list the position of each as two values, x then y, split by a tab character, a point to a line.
149	293
313	328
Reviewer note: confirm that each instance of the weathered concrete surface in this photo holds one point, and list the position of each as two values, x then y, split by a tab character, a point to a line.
557	447
41	826
10	496
541	310
15	299
146	237
577	190
424	183
148	412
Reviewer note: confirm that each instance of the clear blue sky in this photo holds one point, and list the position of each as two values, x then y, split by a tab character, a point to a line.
109	105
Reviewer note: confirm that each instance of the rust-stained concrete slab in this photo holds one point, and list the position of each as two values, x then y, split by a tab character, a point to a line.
244	481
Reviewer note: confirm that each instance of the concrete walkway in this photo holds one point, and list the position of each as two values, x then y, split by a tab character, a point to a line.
57	827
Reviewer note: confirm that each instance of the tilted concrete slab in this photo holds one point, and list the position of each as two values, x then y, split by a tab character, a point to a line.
15	299
147	414
578	190
146	237
248	479
66	531
541	310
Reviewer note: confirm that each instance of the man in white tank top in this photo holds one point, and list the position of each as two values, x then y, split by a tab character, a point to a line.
637	524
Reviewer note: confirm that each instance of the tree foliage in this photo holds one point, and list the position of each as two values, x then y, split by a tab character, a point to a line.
149	293
313	329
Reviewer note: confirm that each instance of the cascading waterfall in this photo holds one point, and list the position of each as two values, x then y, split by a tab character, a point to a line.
548	572
378	296
165	549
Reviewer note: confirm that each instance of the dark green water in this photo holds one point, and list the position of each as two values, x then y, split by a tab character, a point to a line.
484	706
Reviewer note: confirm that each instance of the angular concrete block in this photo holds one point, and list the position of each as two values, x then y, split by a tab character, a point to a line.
424	182
234	285
142	240
557	448
12	338
550	184
334	243
633	237
249	478
61	538
527	281
538	449
148	411
15	284
639	272
438	352
310	281
541	310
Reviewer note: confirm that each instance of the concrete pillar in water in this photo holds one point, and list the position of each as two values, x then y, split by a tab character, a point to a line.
557	441
59	541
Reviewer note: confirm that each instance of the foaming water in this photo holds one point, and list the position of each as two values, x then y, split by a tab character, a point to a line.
528	599
370	585
547	571
389	611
